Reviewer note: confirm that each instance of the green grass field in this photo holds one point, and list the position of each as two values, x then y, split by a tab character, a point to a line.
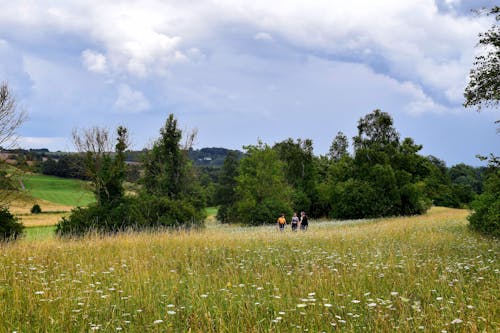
415	274
70	192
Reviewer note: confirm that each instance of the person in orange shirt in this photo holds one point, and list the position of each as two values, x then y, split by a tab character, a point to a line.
281	222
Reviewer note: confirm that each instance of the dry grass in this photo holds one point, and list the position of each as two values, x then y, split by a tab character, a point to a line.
424	273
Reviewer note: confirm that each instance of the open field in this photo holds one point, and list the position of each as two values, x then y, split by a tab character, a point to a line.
68	192
425	273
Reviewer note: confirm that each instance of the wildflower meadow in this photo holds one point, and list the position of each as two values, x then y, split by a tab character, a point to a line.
425	273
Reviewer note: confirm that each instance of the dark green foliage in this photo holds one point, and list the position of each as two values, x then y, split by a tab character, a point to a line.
339	147
483	88
66	166
10	227
225	194
130	213
36	209
383	178
486	208
262	191
300	173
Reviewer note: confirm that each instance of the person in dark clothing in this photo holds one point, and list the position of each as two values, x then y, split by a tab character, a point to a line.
303	221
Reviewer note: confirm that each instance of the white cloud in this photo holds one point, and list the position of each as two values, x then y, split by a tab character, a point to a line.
264	36
130	100
94	61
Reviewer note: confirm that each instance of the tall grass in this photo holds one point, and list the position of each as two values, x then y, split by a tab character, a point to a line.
424	273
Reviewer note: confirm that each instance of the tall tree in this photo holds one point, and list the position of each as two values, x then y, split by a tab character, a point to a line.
483	89
262	190
339	146
105	170
226	188
165	164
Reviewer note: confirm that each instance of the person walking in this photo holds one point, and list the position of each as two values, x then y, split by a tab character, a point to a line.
295	222
281	222
303	221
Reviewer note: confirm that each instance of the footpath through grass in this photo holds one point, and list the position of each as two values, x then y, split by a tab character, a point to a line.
416	274
70	192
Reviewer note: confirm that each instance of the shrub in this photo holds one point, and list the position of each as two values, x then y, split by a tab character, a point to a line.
10	227
36	209
486	208
131	213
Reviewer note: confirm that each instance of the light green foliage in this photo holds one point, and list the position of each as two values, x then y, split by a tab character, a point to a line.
262	191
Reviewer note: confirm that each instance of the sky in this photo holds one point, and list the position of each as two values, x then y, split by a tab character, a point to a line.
242	71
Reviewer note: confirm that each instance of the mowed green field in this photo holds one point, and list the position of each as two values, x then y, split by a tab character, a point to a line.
415	274
70	192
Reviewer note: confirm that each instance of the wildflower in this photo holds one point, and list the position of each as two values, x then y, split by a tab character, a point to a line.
170	306
327	305
394	293
301	305
171	312
371	305
457	321
203	295
159	321
355	301
39	292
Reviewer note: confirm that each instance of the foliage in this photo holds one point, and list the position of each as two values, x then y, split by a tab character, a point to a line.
130	213
10	227
226	189
383	178
486	208
483	88
339	147
300	173
65	166
36	209
262	191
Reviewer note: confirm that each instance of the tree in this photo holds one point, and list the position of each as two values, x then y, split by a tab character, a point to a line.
262	191
168	172
300	173
382	178
226	189
105	170
11	117
165	164
339	147
483	89
10	120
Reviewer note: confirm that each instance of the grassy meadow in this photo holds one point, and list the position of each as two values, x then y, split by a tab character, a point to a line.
415	274
64	191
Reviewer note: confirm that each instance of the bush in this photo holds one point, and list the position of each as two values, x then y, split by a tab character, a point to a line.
10	227
130	213
486	208
251	213
36	209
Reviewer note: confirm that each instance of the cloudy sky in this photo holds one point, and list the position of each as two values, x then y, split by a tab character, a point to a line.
243	70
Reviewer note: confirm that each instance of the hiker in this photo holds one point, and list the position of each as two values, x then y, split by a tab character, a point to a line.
282	222
295	222
303	221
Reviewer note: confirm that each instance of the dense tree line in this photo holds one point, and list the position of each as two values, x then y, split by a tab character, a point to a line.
383	176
